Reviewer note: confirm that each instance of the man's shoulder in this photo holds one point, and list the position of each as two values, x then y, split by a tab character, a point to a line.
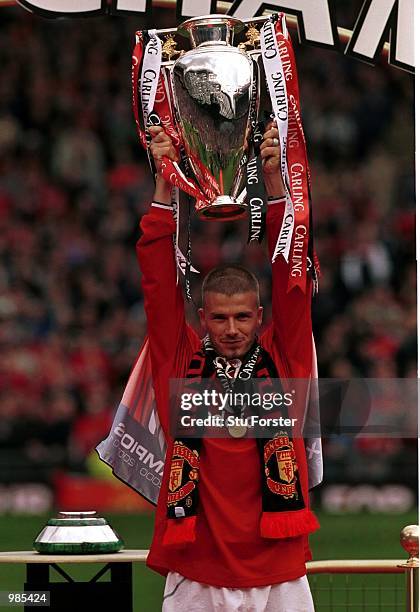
267	337
269	342
193	338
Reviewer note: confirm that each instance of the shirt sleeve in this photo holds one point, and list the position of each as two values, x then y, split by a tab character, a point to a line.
292	321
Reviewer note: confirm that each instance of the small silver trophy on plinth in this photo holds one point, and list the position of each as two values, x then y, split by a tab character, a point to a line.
74	533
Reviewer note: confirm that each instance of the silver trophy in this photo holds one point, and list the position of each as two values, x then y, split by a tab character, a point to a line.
214	94
77	533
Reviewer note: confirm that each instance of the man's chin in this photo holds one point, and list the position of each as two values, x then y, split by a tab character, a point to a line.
233	351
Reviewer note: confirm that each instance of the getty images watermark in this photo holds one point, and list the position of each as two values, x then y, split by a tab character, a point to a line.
234	408
304	408
257	408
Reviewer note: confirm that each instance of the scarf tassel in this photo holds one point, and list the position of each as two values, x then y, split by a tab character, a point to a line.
288	524
180	531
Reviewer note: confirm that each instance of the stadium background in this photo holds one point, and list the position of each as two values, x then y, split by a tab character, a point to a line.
73	185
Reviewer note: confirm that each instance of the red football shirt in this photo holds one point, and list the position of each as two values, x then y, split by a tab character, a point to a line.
228	550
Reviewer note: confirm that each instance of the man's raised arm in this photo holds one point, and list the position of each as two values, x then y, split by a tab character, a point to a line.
163	299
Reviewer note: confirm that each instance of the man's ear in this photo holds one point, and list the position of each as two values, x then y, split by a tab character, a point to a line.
202	318
260	314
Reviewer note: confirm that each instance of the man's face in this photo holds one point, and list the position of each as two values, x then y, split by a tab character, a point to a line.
231	321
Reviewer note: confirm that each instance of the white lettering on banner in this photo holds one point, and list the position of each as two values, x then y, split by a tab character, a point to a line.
160	93
316	17
66	7
246	372
131	5
149	77
284	233
316	21
166	122
280	92
285	60
296	112
146	89
152	47
293	130
196	8
297	253
374	18
132	446
276	80
273	67
255	205
284	239
252	172
296	182
270	47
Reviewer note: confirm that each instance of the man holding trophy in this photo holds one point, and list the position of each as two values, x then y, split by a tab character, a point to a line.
250	559
233	516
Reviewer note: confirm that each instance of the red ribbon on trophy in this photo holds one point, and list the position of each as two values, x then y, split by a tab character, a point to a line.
146	68
153	104
280	67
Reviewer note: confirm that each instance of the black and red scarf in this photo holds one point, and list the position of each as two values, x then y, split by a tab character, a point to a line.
284	512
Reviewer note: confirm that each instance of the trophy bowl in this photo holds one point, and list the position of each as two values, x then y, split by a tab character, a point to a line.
212	92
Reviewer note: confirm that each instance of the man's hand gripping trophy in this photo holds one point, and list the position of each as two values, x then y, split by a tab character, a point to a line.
161	146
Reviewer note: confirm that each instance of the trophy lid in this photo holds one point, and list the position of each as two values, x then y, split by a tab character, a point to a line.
211	29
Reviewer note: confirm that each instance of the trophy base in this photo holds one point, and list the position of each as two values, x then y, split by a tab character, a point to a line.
224	208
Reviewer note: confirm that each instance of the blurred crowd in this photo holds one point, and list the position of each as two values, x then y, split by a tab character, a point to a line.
74	183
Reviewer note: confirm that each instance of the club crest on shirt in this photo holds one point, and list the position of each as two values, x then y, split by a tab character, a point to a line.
280	466
184	471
